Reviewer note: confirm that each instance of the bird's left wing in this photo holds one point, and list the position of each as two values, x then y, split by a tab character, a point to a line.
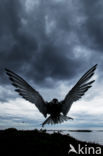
27	92
78	90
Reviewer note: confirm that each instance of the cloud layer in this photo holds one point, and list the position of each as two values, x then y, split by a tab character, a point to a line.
49	40
50	44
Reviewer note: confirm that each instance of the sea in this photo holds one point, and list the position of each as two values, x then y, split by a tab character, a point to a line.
94	136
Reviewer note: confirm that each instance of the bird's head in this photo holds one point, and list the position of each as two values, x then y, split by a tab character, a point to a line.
55	101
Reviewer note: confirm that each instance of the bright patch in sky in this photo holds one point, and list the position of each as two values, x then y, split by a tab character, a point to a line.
51	44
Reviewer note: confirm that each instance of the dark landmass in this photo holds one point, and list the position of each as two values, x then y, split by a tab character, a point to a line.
72	130
80	130
37	143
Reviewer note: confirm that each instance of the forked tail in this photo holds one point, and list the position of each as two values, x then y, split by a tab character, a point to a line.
55	120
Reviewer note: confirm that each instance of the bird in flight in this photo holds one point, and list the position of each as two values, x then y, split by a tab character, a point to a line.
56	110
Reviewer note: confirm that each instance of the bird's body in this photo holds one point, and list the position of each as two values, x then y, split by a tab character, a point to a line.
53	107
57	110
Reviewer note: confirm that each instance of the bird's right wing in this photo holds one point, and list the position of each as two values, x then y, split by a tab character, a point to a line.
27	92
78	90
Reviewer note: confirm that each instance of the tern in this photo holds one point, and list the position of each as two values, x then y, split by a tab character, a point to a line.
57	110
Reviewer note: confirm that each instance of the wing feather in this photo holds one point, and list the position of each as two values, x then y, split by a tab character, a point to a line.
78	90
26	91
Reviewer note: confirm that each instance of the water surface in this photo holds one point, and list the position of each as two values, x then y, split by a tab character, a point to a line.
94	136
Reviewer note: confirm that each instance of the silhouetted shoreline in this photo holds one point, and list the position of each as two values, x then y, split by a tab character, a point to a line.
37	143
72	130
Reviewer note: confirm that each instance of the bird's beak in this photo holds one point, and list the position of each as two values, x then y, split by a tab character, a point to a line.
45	115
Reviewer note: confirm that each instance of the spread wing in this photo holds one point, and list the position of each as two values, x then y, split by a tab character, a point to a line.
26	91
78	90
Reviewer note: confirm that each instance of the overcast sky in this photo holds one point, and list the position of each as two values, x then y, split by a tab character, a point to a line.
51	44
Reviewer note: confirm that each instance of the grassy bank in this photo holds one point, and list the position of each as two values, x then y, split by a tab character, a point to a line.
37	143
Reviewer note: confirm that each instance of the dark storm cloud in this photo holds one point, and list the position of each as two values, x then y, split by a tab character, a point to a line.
93	25
39	43
49	42
92	32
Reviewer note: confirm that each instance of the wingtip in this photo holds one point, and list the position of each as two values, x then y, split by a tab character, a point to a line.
6	69
96	65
